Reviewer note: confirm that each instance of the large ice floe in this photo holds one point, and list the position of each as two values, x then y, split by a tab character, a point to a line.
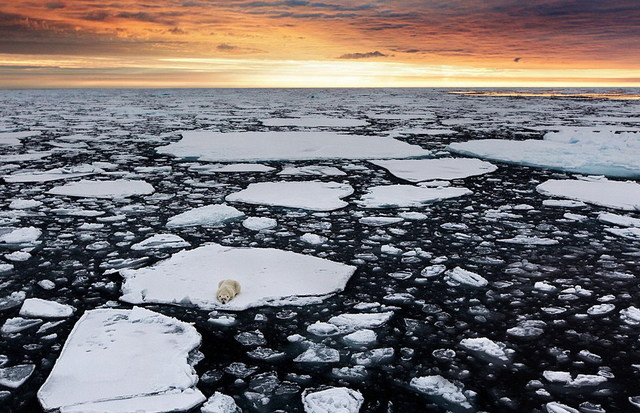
106	365
267	276
311	195
624	195
314	122
418	170
210	215
53	174
394	196
120	188
587	151
257	146
450	395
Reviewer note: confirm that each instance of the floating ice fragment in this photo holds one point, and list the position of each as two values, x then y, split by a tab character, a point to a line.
364	337
314	122
359	321
53	174
600	309
394	196
459	276
418	170
268	277
20	236
241	167
160	241
526	240
612	194
260	146
311	195
36	307
312	170
210	215
380	221
24	204
555	407
106	365
220	403
14	377
631	316
313	239
621	220
450	395
332	400
373	357
259	223
121	188
318	353
433	270
486	348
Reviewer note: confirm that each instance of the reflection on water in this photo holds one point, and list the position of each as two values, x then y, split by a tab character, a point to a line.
609	95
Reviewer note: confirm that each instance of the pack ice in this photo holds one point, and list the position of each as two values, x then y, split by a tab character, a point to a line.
587	151
106	365
261	146
267	276
395	196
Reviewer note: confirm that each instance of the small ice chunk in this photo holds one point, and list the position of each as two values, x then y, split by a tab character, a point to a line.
380	221
332	400
451	395
18	324
394	196
460	276
418	170
210	215
241	167
322	329
487	348
631	316
312	170
18	256
24	204
259	223
555	407
36	307
600	309
318	353
20	236
313	239
525	240
14	377
160	241
220	403
359	321
433	270
364	337
620	220
373	357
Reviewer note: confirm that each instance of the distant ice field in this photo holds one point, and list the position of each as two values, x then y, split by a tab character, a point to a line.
397	250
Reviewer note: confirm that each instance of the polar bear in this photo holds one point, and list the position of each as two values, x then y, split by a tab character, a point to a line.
227	290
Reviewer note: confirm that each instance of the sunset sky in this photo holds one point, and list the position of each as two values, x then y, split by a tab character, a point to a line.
297	43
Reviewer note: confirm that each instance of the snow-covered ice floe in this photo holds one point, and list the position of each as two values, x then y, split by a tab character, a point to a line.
314	122
267	277
120	188
240	167
53	174
260	146
624	195
209	215
394	196
418	170
332	400
20	236
571	149
458	276
37	307
444	392
106	365
311	170
13	138
160	241
311	195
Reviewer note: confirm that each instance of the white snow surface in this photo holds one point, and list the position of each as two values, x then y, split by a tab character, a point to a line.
310	195
332	400
261	146
259	223
209	215
106	364
621	220
485	346
120	188
418	170
19	236
459	276
578	150
267	276
242	167
311	170
623	195
220	403
396	196
359	321
314	122
160	241
37	307
13	138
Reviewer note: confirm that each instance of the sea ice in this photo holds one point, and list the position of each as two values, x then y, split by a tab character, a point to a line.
120	188
418	170
220	403
314	122
20	236
209	215
259	223
452	395
631	315
311	195
380	221
486	348
311	170
268	277
359	321
318	353
15	376
332	400
241	167
53	174
160	241
13	138
37	307
529	240
106	365
612	194
364	337
458	276
574	150
394	196
24	204
621	220
260	146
